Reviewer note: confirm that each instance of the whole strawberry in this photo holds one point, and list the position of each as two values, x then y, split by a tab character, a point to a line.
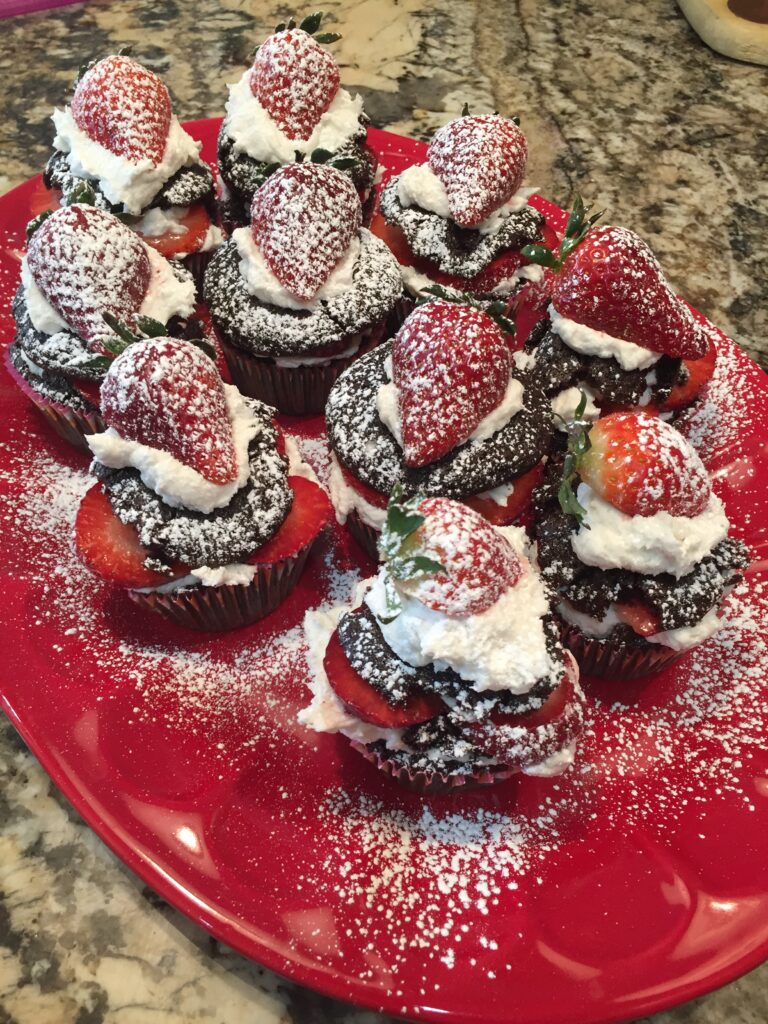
294	78
167	394
303	219
124	107
451	366
481	161
87	263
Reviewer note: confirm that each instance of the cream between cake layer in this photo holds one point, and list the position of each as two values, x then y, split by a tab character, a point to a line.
590	342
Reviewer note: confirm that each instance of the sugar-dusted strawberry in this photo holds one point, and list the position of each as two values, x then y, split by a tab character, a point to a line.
310	513
367	703
86	262
167	394
111	548
642	465
446	555
294	78
481	161
124	107
640	616
451	365
303	219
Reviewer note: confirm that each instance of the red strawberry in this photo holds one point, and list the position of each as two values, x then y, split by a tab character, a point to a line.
637	614
111	548
303	219
642	465
295	80
310	513
167	394
86	262
451	364
612	282
124	107
481	161
700	372
195	224
366	703
371	495
478	563
515	505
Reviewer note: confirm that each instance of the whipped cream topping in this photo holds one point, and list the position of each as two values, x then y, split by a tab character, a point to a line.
255	133
388	408
589	342
610	539
167	296
132	183
262	283
681	639
346	499
162	222
502	648
177	484
565	402
420	186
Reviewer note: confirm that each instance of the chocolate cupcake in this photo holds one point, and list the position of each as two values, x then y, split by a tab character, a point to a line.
287	105
83	264
440	410
303	291
198	511
120	146
448	672
636	545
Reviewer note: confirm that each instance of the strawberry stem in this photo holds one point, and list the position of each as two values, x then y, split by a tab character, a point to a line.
403	559
496	309
576	231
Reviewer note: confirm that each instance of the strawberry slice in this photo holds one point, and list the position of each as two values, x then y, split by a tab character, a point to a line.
111	548
515	505
167	394
612	282
642	465
195	223
451	365
303	218
481	161
368	704
87	263
700	372
310	513
43	199
373	497
295	80
637	614
125	108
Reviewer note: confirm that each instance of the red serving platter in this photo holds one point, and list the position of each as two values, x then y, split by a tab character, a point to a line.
636	881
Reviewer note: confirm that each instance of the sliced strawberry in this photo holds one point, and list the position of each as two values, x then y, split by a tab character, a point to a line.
451	365
310	513
303	219
642	465
515	505
640	616
124	107
395	239
167	394
111	548
373	497
612	282
295	80
700	372
195	223
481	161
478	564
43	199
87	263
366	703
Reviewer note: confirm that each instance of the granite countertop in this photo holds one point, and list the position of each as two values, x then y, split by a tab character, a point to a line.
620	101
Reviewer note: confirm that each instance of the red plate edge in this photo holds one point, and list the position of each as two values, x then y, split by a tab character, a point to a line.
300	969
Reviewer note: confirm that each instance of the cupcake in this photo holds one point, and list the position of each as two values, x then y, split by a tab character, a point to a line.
82	265
615	330
120	143
448	670
461	219
442	410
636	544
303	291
198	512
287	105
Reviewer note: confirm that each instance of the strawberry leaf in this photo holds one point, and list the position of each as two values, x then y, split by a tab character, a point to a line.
311	23
35	223
328	37
150	328
496	310
81	193
578	445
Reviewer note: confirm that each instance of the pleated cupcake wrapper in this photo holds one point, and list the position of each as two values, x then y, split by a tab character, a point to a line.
603	658
364	534
232	605
297	390
433	782
196	263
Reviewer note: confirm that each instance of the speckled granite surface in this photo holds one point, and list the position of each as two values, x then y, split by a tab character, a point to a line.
619	100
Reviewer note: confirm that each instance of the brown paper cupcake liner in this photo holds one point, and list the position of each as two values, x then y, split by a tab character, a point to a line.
433	782
196	264
230	606
364	534
605	658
